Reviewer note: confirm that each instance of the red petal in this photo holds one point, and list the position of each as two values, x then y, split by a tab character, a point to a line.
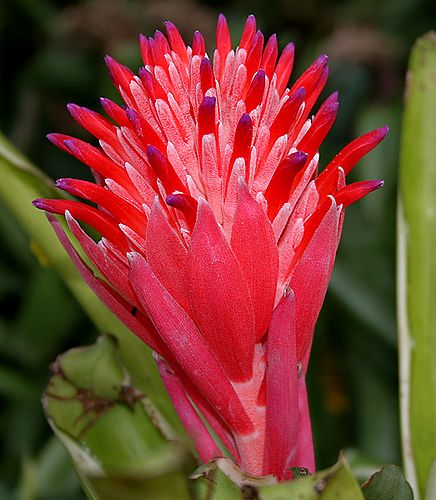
269	57
144	329
186	204
284	67
167	256
352	153
248	33
203	441
255	92
124	212
146	55
311	275
305	455
281	424
354	192
198	45
121	75
95	159
206	75
280	186
187	345
285	118
320	127
117	113
206	117
254	245
243	140
101	222
254	55
164	170
223	40
219	297
176	41
313	81
94	123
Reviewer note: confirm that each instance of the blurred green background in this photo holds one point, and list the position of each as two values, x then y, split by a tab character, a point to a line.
51	54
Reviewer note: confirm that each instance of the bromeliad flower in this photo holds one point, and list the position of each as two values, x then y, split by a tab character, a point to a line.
218	236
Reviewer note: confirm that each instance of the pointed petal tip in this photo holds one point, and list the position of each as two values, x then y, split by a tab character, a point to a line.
384	131
323	59
53	138
109	60
61	183
38	203
152	152
42	204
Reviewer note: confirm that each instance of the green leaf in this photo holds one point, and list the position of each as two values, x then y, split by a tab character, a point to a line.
121	446
417	265
388	483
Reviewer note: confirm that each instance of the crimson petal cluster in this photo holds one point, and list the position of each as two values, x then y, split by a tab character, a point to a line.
218	236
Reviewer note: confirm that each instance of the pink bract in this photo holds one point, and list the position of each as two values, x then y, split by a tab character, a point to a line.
218	235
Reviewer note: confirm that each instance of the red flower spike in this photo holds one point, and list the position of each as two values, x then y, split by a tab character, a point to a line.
255	92
120	209
97	219
320	127
206	75
164	170
257	257
254	55
158	51
117	113
352	153
198	45
243	139
281	391
210	173
248	33
59	141
144	47
176	41
223	40
354	192
212	267
287	115
189	417
196	360
284	67
187	205
93	122
162	43
269	57
279	188
206	117
121	75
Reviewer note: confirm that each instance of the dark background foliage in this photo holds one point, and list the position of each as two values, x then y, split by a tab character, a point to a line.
51	54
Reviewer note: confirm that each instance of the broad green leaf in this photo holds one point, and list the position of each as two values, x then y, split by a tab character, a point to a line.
388	483
21	182
417	265
120	444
